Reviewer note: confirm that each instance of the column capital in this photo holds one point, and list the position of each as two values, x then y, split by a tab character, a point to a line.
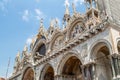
115	55
88	64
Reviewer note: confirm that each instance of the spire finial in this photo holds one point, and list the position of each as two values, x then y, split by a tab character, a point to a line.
56	23
51	23
33	40
25	48
67	9
41	22
63	25
18	57
41	29
74	8
67	14
18	54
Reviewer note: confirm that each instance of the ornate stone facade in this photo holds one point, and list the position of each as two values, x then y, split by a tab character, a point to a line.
87	48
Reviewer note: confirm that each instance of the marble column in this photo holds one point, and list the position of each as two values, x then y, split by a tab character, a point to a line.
115	63
88	71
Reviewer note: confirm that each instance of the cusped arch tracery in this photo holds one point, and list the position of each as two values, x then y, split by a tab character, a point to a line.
76	27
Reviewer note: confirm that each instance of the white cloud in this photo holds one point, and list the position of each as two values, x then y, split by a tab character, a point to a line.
26	15
66	3
81	1
76	2
39	14
28	41
3	5
37	1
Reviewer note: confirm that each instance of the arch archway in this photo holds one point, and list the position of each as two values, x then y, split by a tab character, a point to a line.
72	69
29	74
47	73
100	54
69	67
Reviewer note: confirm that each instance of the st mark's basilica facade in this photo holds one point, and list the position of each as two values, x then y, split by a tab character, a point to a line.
87	48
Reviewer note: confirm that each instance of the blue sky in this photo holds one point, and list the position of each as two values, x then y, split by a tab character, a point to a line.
20	20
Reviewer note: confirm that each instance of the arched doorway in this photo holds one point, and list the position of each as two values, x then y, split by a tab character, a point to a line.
102	61
47	73
72	69
29	74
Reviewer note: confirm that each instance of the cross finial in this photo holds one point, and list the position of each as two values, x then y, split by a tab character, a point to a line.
25	47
